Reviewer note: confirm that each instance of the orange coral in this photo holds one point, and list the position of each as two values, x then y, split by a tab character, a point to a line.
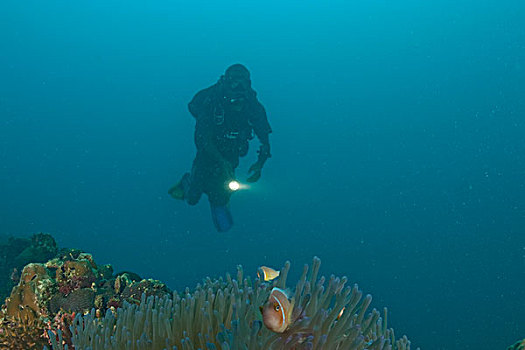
21	333
29	298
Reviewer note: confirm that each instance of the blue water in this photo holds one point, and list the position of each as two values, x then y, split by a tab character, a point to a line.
398	146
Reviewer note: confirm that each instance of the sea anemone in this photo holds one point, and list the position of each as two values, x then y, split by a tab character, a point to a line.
224	314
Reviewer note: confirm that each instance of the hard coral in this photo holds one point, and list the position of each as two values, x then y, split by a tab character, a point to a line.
43	247
75	274
133	291
72	282
15	253
79	300
30	298
58	330
21	333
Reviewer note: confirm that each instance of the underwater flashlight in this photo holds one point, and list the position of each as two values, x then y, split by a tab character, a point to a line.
234	185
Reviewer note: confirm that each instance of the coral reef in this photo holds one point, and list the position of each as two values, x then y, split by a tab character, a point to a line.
29	299
49	295
69	302
42	248
75	274
78	300
224	314
15	253
21	333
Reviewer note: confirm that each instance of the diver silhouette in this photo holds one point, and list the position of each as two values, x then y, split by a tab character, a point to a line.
227	115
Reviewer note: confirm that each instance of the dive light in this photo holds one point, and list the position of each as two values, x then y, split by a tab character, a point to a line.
234	185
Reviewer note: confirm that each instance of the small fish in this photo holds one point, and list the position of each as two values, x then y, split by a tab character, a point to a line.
267	273
341	313
277	311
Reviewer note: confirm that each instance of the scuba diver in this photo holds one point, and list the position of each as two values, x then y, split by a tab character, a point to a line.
227	115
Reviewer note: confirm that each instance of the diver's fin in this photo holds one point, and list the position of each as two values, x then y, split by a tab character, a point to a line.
178	190
222	218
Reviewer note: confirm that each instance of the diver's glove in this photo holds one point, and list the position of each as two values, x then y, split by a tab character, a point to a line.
255	171
256	168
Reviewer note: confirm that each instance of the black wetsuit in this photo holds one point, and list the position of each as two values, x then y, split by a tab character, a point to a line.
230	130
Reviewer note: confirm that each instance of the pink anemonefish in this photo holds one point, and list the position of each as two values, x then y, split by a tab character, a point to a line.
277	311
341	312
267	273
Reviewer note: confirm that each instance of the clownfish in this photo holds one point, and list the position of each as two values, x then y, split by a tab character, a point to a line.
277	311
267	273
